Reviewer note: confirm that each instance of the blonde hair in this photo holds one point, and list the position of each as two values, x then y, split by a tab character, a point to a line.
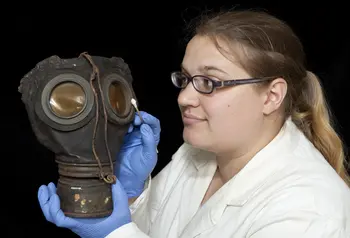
268	47
315	121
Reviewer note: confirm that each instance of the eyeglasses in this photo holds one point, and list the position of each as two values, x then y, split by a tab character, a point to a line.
207	85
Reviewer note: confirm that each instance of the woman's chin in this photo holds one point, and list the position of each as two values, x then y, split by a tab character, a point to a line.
195	139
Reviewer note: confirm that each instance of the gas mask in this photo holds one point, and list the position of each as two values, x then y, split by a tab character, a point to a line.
80	109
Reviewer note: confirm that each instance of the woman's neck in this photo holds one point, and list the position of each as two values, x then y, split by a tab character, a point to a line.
231	163
229	166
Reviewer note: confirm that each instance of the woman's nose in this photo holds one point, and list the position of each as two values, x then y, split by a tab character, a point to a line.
188	96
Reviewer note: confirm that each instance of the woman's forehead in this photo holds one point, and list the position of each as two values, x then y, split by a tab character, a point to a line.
203	56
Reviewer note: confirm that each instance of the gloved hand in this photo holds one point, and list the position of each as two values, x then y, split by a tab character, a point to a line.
138	154
85	227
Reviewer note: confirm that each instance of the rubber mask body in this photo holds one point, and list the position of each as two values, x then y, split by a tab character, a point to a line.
80	109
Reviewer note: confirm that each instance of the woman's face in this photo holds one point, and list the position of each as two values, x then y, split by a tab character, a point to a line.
230	117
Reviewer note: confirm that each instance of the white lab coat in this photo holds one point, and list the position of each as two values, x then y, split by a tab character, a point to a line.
288	190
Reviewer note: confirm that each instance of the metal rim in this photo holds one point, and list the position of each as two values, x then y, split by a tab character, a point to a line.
74	78
128	93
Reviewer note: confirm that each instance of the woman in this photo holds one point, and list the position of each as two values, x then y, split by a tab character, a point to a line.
260	157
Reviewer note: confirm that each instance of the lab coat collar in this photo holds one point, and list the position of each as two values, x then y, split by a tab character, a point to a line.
200	158
266	162
238	190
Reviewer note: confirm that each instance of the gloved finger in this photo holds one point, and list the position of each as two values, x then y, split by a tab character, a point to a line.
52	189
131	127
120	200
146	118
58	217
137	120
44	198
152	121
132	139
149	149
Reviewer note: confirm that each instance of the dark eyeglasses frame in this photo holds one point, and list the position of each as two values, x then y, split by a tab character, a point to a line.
221	84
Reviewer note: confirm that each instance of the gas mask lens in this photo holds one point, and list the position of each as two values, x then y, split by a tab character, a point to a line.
117	98
67	100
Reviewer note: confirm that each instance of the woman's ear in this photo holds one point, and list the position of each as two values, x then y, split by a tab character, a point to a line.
274	95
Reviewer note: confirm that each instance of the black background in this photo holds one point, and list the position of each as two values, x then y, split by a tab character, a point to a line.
150	39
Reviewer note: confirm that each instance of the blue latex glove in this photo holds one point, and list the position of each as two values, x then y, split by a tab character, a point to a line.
85	227
138	154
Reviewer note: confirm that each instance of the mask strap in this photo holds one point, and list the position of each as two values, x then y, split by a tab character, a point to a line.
108	178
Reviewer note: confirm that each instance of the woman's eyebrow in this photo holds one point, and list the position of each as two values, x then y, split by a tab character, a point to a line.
206	69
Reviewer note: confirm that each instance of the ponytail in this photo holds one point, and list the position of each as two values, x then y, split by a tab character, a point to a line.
312	116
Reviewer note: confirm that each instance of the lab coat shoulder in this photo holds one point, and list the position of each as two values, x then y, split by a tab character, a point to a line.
305	197
165	181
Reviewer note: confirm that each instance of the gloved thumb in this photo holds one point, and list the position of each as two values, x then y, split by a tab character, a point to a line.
57	214
120	199
149	143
